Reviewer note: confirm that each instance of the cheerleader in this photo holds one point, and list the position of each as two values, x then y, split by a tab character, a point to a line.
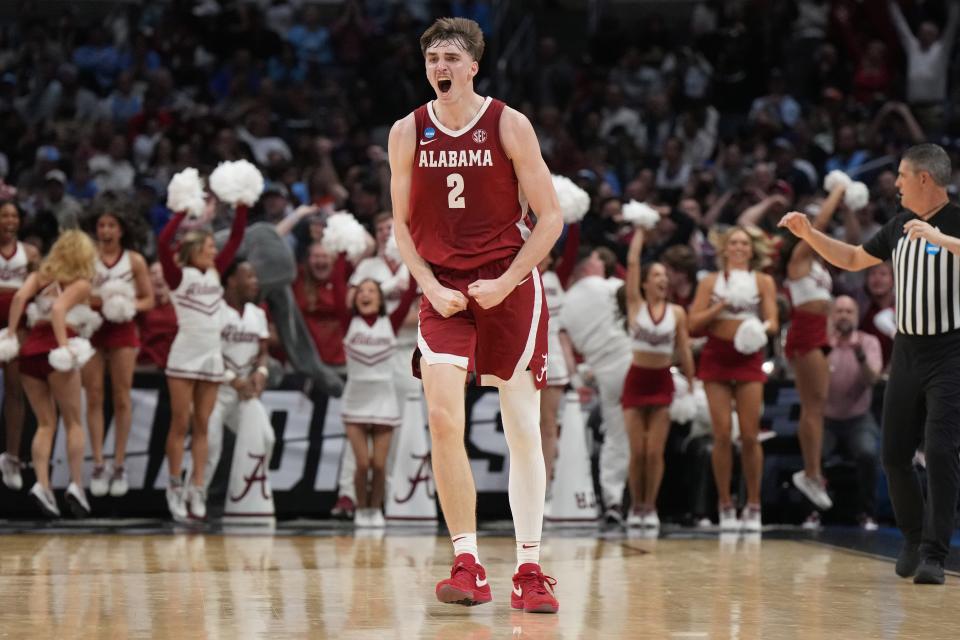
810	288
16	260
737	308
648	388
121	289
195	362
51	358
370	408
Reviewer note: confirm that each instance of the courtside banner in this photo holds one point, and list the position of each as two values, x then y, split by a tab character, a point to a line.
305	461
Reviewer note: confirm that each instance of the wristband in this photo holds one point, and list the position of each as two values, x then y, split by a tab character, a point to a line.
576	381
229	376
262	370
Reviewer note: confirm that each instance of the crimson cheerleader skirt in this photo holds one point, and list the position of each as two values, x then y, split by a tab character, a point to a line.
807	331
721	362
36	348
6	298
116	335
647	388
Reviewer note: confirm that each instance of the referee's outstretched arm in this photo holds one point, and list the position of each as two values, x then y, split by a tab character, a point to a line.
840	254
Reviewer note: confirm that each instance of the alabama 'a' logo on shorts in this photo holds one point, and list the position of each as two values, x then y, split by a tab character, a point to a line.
543	370
480	136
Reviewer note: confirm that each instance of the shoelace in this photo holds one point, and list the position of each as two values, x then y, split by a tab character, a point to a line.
534	581
472	569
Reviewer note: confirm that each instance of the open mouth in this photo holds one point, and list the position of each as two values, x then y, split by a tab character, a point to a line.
444	85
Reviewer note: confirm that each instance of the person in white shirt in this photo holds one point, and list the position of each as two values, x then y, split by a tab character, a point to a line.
243	341
590	319
928	58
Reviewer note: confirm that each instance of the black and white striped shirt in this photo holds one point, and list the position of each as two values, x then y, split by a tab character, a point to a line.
926	277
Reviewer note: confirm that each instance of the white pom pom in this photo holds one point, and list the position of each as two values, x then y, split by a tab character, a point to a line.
641	214
683	409
84	319
237	182
741	289
185	193
33	314
886	322
574	201
119	309
119	300
62	359
343	234
835	179
9	345
82	350
856	196
703	407
751	336
113	288
391	250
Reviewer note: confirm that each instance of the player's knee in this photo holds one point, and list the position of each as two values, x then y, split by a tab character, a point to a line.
442	422
379	468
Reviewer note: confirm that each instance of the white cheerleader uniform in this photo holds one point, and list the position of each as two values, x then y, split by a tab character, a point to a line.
557	374
115	335
196	353
13	273
240	343
369	396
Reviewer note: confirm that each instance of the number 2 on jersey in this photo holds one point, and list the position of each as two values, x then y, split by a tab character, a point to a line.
454	198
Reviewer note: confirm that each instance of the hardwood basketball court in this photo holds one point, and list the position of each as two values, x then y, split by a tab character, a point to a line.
143	580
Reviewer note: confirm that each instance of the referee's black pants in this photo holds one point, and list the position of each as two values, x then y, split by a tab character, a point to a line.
923	400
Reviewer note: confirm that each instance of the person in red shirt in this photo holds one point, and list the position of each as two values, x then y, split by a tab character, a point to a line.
158	326
320	290
463	168
879	319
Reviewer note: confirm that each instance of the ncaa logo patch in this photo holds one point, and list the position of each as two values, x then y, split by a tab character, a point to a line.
429	132
479	136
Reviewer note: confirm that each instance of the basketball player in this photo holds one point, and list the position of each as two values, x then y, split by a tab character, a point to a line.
16	259
116	343
463	167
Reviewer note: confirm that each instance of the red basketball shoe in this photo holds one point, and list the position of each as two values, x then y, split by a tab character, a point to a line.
533	591
467	584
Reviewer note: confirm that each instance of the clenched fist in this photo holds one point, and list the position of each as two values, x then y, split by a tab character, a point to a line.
447	302
797	223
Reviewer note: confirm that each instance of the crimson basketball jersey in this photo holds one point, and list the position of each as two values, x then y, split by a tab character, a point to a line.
466	208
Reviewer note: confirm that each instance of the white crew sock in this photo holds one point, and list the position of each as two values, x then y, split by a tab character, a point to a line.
466	543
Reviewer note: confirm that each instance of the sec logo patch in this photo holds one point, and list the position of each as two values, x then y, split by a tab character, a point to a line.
479	136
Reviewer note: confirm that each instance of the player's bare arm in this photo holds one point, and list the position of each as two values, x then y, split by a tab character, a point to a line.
401	148
521	146
840	254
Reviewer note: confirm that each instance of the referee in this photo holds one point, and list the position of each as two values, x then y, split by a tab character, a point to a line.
922	401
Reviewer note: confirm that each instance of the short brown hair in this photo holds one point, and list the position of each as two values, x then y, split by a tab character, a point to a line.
463	32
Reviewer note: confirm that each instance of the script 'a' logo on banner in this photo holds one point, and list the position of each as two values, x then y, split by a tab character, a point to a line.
422	474
257	476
